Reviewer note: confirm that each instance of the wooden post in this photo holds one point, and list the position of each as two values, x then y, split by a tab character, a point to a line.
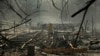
31	50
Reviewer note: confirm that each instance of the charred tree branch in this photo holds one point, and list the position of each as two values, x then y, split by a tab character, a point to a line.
20	7
87	6
16	25
53	3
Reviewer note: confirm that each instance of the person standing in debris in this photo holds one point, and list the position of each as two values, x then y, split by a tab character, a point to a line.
50	29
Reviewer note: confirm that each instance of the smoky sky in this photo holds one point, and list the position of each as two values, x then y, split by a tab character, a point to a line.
50	14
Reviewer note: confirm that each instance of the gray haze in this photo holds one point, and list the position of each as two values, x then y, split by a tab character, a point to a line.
50	14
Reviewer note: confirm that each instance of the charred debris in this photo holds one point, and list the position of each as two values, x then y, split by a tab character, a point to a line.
49	38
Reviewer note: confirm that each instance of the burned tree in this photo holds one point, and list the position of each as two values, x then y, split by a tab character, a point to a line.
83	9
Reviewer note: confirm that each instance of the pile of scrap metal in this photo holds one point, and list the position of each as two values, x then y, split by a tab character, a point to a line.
94	45
5	43
70	49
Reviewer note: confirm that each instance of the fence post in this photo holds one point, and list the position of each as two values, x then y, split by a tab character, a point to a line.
31	50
